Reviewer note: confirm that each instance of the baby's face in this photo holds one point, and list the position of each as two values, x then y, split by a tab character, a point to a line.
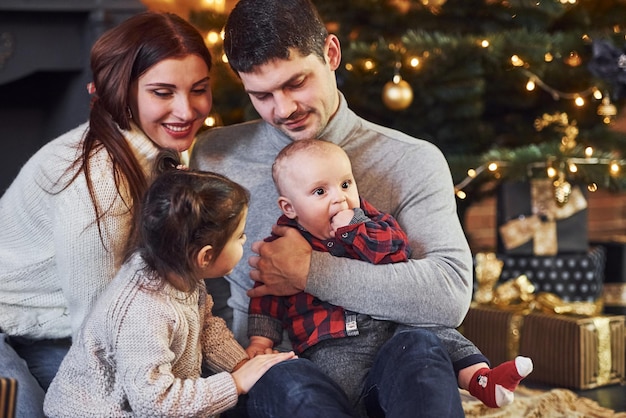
319	188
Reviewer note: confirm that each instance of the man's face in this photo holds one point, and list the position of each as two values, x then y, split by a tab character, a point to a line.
297	95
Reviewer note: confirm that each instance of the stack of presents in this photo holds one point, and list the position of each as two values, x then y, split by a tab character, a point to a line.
548	293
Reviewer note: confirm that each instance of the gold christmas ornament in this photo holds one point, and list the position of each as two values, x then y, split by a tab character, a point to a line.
397	94
607	110
562	191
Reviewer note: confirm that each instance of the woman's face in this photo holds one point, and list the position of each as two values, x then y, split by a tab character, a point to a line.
171	100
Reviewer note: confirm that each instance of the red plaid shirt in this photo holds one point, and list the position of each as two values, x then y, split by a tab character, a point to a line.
372	236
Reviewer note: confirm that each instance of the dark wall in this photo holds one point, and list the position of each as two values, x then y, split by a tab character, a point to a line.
44	70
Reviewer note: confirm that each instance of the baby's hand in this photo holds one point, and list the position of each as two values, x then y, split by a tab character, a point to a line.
341	218
259	345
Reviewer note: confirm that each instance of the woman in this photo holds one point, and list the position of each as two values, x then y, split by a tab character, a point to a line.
67	217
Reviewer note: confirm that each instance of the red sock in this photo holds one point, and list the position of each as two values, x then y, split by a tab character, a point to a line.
494	387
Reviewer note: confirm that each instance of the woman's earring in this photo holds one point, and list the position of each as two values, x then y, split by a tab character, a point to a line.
129	113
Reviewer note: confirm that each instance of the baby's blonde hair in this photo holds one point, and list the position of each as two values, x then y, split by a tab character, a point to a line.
315	147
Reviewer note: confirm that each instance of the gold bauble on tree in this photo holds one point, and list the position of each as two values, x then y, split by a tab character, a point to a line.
397	94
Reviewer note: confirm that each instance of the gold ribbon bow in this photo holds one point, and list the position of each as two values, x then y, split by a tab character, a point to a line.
519	294
540	226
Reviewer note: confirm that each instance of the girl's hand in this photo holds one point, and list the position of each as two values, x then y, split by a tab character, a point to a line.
252	370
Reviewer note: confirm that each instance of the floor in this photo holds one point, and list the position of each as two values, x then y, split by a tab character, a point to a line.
612	397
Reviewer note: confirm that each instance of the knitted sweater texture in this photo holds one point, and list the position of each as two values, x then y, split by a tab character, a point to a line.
140	351
406	177
53	263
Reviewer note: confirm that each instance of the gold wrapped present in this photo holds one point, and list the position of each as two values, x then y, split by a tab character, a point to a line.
571	351
8	397
571	344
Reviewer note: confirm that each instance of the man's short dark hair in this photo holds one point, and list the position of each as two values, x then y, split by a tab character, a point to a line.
259	31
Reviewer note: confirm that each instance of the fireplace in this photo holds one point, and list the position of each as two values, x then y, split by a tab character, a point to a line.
44	68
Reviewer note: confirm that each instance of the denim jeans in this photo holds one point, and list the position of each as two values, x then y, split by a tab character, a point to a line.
293	389
412	376
34	364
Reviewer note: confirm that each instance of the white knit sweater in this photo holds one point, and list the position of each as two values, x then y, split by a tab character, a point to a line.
139	354
53	264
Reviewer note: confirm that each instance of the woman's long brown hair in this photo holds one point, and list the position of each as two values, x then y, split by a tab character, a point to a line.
118	58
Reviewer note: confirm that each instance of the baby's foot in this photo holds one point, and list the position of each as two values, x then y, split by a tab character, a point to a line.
495	387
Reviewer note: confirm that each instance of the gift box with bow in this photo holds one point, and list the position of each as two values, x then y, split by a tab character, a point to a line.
571	343
535	217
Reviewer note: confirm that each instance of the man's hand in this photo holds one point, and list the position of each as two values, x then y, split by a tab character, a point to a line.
282	265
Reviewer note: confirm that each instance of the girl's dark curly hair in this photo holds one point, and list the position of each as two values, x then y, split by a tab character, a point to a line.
183	211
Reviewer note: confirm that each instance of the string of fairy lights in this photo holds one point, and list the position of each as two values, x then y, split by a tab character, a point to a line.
397	94
555	168
401	100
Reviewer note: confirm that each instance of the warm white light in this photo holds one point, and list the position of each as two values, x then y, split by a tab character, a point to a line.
614	168
472	173
368	64
530	86
212	37
517	61
579	101
573	168
551	172
492	166
461	194
216	5
484	43
210	121
588	152
414	62
597	94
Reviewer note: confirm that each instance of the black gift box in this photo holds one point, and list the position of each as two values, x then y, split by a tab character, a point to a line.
514	203
614	289
572	277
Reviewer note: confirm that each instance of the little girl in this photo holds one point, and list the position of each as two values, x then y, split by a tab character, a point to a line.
141	349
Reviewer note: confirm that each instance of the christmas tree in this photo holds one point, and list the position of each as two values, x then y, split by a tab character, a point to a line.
505	88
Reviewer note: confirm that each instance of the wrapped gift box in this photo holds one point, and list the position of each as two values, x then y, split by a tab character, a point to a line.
8	397
530	220
572	277
614	288
567	351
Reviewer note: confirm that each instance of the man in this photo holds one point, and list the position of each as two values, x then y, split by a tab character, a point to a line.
287	60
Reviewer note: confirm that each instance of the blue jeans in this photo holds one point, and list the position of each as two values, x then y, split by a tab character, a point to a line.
293	389
34	364
412	376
